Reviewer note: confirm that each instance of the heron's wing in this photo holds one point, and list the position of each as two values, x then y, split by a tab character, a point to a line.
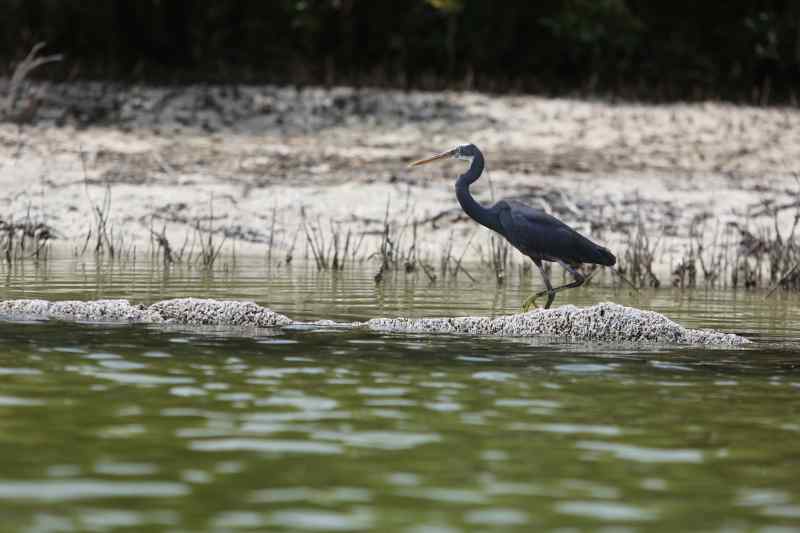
537	234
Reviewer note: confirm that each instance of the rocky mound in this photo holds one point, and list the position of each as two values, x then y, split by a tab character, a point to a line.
189	311
608	322
605	322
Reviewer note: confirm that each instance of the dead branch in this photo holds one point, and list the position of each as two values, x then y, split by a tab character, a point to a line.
31	62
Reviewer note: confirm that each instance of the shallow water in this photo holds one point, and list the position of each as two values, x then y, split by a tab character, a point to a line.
134	428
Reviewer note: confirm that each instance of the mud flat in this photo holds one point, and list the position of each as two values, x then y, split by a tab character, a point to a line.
226	158
605	322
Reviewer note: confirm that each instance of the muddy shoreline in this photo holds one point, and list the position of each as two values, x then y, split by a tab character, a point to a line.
253	164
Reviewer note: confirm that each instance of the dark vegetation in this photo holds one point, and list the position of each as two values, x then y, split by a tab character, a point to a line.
744	50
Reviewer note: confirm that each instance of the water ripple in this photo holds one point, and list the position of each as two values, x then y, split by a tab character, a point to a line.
382	391
300	402
19	372
384	440
238	519
526	402
605	511
496	517
316	520
126	469
448	495
493	375
578	428
14	401
583	368
48	490
265	445
130	378
643	455
305	494
283	372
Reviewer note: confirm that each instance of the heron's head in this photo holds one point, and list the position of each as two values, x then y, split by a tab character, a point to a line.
465	152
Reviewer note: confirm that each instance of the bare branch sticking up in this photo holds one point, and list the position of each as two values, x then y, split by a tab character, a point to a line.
31	62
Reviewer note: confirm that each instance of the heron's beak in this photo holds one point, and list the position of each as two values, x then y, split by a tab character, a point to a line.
431	159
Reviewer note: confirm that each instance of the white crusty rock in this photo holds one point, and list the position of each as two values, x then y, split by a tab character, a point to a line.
207	312
99	311
601	322
189	311
606	322
24	308
94	311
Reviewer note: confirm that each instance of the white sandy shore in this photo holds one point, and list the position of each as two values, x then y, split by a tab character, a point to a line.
339	155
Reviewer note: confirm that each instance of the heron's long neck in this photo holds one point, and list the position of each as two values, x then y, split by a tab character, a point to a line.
471	206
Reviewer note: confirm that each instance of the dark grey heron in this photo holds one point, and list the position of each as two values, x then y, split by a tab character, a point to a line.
531	231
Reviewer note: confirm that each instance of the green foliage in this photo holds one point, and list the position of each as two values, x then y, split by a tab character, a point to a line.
448	6
679	49
593	24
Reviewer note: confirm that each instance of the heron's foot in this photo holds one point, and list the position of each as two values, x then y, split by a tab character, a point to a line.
530	302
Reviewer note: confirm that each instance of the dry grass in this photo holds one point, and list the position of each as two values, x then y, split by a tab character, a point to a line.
754	252
331	246
638	256
397	251
24	240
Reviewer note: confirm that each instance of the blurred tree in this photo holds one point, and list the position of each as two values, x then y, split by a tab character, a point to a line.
678	49
599	37
448	6
451	8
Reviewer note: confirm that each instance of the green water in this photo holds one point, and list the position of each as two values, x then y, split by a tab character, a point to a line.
143	428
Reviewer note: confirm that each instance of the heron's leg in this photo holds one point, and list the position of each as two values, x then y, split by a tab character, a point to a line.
580	279
550	292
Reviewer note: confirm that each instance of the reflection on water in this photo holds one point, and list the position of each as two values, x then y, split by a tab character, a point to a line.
132	428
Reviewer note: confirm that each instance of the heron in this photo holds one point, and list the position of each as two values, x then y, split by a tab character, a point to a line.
533	232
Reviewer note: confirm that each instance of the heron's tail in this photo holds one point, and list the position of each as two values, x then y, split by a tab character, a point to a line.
587	251
603	256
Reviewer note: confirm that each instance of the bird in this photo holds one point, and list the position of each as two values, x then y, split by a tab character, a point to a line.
538	235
